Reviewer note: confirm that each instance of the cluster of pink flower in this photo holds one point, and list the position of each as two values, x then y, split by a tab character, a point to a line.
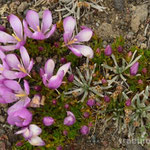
14	68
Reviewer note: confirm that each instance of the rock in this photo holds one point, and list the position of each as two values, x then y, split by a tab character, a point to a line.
119	5
2	145
105	31
130	35
22	7
143	46
134	147
2	119
139	15
38	59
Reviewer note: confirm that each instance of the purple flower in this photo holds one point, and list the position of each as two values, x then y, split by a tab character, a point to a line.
120	49
91	102
140	81
104	81
128	102
71	78
14	93
108	50
74	42
107	99
18	69
17	39
48	121
59	147
37	88
54	101
134	68
53	82
20	118
32	19
70	119
31	134
84	130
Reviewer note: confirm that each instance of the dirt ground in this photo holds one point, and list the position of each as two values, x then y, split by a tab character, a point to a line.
127	18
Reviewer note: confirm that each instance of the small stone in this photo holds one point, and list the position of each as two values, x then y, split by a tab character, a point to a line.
97	24
134	147
2	119
139	15
22	7
143	46
130	35
119	4
38	59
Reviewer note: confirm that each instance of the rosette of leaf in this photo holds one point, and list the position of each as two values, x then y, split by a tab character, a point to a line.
139	124
83	83
119	71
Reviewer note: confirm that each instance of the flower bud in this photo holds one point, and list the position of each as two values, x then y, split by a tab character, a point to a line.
144	70
108	50
134	68
91	102
54	101
120	49
37	88
70	119
104	81
48	121
56	44
90	124
59	147
63	60
86	115
41	48
18	144
65	132
84	130
66	106
71	78
140	81
98	51
2	28
106	99
129	55
128	102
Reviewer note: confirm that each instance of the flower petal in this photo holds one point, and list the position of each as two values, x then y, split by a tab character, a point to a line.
38	36
35	129
25	56
26	87
8	47
51	31
85	50
36	141
13	85
26	29
64	67
16	25
9	74
30	65
6	38
12	61
32	19
55	81
84	35
49	68
75	51
47	21
69	25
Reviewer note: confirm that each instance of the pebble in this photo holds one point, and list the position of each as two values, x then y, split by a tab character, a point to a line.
22	7
134	147
97	24
2	119
143	46
38	59
130	35
119	4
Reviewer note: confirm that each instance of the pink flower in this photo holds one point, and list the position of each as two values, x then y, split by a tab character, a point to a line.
17	39
134	68
74	42
108	50
32	19
31	134
70	119
53	82
48	121
84	130
91	102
